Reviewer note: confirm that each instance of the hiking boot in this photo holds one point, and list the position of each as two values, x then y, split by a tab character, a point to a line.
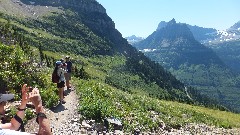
62	101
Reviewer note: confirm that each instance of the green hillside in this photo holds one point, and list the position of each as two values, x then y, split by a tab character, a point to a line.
112	78
228	52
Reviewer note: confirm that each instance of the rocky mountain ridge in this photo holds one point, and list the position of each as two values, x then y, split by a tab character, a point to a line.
36	8
211	35
80	5
178	38
134	39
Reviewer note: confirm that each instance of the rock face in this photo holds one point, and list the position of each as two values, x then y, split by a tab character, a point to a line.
95	17
82	5
86	6
200	34
175	44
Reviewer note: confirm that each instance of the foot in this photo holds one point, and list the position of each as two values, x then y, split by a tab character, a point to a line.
62	101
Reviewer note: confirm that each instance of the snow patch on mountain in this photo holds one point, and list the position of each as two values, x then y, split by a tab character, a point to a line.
134	39
225	35
148	50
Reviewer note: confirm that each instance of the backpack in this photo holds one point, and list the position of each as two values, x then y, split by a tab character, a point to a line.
55	77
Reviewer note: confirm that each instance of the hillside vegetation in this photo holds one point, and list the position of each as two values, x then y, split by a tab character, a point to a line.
112	78
228	52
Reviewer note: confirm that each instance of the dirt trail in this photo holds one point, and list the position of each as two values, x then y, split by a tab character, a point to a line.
62	117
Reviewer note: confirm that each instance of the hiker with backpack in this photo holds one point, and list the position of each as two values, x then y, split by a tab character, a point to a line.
59	78
17	121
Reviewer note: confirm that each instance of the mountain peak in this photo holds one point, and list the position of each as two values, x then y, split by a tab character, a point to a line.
161	25
175	30
173	21
173	34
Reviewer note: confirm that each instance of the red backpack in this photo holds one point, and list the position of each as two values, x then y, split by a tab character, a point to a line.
55	77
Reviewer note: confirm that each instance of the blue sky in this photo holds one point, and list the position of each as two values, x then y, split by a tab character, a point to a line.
141	17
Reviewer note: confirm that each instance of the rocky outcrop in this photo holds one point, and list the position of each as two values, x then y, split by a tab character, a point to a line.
81	5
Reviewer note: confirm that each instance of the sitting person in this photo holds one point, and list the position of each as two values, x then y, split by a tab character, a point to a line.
16	121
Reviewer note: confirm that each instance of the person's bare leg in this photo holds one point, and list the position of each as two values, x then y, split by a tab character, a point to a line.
61	90
68	84
60	93
68	80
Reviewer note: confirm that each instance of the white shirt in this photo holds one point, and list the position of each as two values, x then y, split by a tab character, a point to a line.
12	132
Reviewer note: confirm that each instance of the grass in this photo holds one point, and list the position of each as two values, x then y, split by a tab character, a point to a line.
225	119
232	118
99	100
3	20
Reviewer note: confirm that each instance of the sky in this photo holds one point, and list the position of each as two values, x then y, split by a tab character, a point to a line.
141	17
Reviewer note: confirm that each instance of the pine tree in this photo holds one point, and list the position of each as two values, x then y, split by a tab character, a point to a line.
41	53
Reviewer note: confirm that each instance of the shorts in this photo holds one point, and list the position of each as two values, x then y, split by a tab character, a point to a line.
68	76
61	84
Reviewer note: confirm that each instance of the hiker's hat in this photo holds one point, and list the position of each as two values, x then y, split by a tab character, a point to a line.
6	97
67	57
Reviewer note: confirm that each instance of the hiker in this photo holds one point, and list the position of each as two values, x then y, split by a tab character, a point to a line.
15	123
68	74
61	83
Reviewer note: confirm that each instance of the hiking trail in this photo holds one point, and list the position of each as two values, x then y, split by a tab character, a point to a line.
64	118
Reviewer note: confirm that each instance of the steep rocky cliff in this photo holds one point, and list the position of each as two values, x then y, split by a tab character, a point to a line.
82	5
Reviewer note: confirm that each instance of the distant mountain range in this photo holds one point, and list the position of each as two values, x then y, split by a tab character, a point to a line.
177	38
225	43
134	39
203	35
200	34
174	46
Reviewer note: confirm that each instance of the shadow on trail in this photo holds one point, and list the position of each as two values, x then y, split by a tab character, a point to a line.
67	91
58	108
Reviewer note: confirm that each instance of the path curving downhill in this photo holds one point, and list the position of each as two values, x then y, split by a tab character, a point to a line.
64	118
